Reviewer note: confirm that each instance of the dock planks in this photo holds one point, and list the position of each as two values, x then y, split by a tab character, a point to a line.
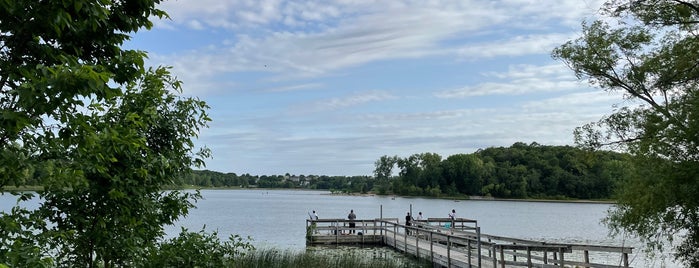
459	243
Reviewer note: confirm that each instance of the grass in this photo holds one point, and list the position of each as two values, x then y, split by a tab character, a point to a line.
273	258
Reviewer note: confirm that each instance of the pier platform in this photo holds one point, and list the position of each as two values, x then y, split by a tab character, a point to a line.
459	243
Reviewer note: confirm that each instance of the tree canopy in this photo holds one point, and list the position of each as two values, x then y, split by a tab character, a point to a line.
648	50
519	171
105	132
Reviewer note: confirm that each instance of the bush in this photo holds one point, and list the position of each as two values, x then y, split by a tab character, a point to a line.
198	249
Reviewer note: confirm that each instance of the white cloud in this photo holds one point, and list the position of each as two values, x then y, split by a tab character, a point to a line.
520	80
516	46
591	100
290	78
306	86
308	39
341	102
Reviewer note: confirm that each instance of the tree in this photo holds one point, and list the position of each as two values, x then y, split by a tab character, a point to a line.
106	132
55	55
384	166
383	172
648	50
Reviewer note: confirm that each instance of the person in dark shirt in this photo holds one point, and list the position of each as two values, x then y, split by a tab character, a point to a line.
351	218
408	222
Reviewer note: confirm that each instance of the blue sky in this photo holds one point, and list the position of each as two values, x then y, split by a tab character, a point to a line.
328	87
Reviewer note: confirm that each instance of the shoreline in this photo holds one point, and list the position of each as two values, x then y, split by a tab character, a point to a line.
483	198
446	198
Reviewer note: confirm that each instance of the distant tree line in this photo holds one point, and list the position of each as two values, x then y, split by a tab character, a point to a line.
519	171
347	184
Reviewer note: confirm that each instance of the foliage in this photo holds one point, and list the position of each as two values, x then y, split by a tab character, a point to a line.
648	50
200	249
99	131
519	171
55	55
275	258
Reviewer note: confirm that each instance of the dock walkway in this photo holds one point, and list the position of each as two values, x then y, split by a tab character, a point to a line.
459	243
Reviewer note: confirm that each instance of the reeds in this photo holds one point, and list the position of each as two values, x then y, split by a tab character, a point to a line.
272	258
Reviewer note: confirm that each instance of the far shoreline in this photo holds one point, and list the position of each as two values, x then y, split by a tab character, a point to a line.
329	192
446	198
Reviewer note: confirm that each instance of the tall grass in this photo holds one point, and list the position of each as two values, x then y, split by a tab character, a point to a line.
272	258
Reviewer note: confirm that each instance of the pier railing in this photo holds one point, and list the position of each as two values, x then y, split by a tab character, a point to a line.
459	243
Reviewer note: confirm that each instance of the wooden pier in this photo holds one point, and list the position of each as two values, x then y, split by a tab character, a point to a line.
459	243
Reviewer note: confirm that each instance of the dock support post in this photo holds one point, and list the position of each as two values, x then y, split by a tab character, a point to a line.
563	263
405	239
448	251
431	248
395	240
502	257
529	257
468	251
417	243
494	256
478	233
625	256
586	255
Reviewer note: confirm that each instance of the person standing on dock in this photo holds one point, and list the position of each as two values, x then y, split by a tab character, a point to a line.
408	222
452	216
351	218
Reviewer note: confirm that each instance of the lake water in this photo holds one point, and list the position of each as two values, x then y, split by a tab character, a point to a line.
276	218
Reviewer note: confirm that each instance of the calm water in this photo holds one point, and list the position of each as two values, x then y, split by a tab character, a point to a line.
276	218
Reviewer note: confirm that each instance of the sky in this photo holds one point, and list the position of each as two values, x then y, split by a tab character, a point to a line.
328	87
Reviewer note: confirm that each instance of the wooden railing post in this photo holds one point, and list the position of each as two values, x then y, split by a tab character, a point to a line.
478	233
502	257
586	256
395	240
468	253
494	256
563	263
448	250
431	248
405	239
417	243
529	257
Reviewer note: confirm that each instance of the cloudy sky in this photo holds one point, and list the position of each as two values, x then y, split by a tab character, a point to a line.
327	87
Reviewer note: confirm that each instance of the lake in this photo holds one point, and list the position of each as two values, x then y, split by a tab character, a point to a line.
276	218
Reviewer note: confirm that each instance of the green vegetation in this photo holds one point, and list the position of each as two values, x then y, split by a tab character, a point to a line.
200	249
100	133
519	171
648	50
290	259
